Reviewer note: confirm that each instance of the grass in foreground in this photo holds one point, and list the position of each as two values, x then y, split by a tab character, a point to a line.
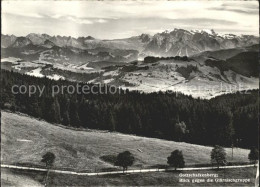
26	139
139	179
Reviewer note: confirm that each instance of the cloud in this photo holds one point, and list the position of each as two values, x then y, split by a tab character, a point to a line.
204	21
252	11
79	20
85	20
113	19
31	15
56	16
242	7
101	21
253	5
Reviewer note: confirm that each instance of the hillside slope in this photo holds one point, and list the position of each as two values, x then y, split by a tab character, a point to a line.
203	78
26	139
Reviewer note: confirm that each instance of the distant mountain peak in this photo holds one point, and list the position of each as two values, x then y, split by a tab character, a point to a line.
34	35
229	36
37	39
167	31
185	43
21	42
90	38
208	31
46	35
145	37
48	44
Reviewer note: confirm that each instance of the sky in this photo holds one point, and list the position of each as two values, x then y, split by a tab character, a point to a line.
122	19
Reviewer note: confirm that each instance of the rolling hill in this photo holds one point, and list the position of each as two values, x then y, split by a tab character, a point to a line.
25	140
200	76
224	54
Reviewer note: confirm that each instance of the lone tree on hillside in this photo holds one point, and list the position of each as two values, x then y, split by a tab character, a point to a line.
176	159
48	159
124	159
253	155
218	155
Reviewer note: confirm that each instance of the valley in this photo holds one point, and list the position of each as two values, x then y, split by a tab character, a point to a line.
201	75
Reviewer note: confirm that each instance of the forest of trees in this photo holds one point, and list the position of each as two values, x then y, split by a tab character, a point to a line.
224	120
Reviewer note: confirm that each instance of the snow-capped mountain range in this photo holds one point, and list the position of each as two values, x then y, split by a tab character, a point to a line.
186	43
174	60
168	43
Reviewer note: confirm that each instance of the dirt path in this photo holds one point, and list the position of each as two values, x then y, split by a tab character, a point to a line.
120	172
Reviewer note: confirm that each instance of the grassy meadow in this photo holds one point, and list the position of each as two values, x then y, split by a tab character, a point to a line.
26	139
